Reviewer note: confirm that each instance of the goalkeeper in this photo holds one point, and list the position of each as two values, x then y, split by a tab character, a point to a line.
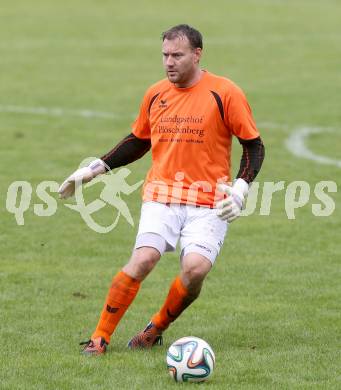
187	121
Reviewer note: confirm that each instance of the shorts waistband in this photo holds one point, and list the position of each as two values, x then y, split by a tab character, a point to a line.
185	204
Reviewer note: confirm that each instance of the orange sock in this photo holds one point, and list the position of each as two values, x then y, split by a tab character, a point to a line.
121	294
176	302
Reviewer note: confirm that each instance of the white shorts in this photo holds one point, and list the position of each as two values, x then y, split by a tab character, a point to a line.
198	228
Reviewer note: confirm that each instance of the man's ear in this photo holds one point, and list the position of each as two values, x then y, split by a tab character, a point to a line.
197	53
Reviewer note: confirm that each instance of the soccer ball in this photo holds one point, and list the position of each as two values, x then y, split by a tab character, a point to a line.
190	359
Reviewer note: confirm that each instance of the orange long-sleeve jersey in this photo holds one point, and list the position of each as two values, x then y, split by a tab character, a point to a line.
191	133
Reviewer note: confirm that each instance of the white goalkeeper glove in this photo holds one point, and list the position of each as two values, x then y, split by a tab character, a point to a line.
82	175
230	208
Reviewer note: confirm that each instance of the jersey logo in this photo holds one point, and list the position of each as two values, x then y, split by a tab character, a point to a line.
163	103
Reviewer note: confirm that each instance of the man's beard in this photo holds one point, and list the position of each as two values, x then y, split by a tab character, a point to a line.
176	77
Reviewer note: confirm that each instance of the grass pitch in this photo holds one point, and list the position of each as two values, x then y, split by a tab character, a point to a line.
270	308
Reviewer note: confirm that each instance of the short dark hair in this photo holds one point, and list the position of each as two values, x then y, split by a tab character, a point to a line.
193	35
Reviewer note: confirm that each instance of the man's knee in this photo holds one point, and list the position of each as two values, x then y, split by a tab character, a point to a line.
142	262
194	269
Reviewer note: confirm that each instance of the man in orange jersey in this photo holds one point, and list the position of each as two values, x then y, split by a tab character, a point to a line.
187	120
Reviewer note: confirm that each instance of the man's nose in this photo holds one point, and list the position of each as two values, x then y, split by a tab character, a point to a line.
170	61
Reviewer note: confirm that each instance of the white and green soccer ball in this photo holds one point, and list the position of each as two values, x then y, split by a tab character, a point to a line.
190	359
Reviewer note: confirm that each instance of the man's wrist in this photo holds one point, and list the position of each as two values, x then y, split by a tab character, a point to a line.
97	167
241	186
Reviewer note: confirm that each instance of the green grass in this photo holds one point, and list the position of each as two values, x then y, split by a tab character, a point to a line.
270	308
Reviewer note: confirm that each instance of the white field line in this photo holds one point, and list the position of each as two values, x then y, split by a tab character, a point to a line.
87	113
56	111
296	144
